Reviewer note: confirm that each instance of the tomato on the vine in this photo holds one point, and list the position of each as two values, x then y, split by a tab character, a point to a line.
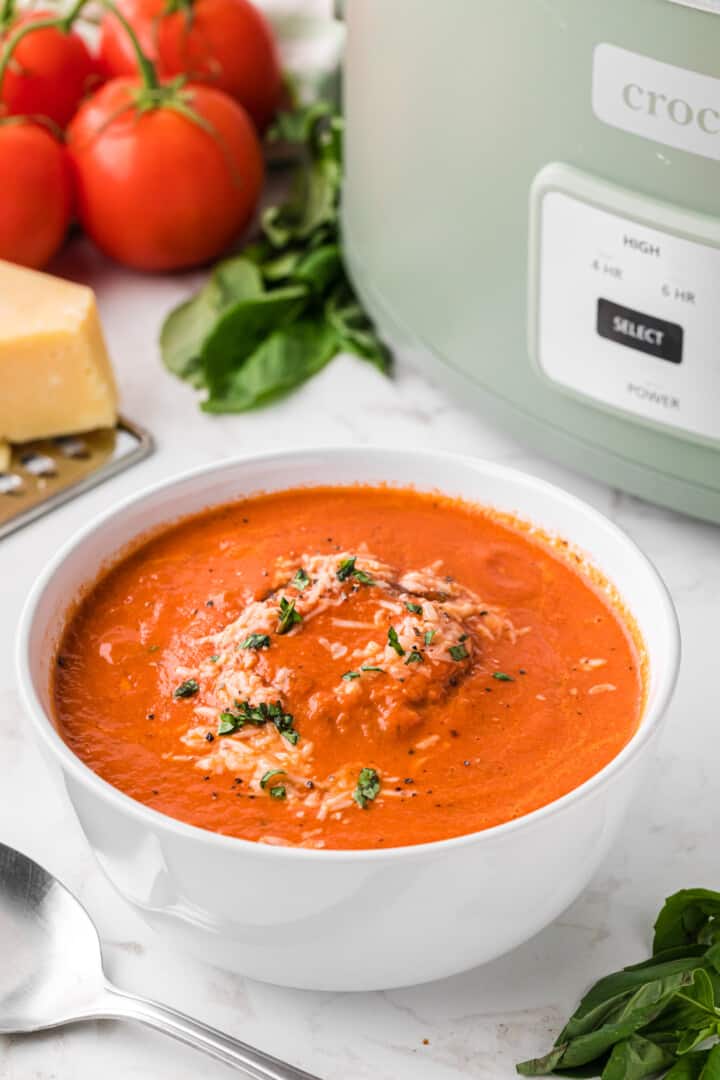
36	187
227	44
166	177
51	69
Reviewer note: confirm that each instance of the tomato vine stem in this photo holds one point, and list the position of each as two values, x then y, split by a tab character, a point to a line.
64	24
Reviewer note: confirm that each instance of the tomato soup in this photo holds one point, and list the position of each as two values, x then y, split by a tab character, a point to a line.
348	668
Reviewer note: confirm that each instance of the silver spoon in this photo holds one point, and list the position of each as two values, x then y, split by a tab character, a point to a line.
51	973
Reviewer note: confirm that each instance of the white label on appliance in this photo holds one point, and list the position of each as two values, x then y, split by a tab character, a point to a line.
628	315
657	101
701	5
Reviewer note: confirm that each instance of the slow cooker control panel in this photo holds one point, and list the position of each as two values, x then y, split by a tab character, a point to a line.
624	301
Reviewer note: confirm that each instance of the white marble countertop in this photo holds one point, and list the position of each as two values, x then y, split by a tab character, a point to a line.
476	1025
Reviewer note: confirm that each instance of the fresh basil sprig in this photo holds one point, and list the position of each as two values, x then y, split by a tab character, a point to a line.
655	1016
270	318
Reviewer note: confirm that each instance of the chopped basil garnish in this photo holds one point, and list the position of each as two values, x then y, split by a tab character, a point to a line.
186	689
429	635
416	609
346	568
502	677
394	641
415	657
350	675
363	578
458	652
269	775
278	792
301	580
256	641
288	616
371	667
227	724
214	658
258	715
368	787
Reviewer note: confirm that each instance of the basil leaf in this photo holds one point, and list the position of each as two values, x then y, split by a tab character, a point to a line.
269	319
354	330
258	716
458	652
416	609
371	667
703	1065
394	641
502	677
183	335
287	616
269	776
368	787
350	675
188	326
287	358
607	994
313	203
186	689
636	1058
278	792
299	125
301	580
363	578
415	657
242	328
345	568
429	635
319	268
256	641
633	1013
687	917
229	723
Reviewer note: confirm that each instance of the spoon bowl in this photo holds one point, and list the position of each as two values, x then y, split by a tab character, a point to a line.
51	973
52	965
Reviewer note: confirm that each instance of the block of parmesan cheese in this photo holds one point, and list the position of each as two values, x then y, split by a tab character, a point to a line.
55	373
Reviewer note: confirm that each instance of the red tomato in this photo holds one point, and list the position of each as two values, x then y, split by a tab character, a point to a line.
156	189
36	187
50	72
225	43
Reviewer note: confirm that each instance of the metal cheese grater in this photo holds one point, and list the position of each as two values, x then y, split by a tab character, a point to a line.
48	472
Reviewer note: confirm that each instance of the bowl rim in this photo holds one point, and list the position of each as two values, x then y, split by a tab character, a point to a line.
156	819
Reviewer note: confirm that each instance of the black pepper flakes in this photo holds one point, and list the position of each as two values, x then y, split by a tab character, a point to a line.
209	737
151	716
61	662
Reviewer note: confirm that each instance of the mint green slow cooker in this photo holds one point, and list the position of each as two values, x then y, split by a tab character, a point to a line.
533	197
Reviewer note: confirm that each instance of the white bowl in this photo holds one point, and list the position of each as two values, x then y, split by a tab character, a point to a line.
351	920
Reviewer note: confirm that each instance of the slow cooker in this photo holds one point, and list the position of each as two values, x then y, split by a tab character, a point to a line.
533	198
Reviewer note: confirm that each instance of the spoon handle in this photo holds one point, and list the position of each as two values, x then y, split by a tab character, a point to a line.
254	1063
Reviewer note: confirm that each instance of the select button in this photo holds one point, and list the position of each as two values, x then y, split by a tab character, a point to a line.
638	331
